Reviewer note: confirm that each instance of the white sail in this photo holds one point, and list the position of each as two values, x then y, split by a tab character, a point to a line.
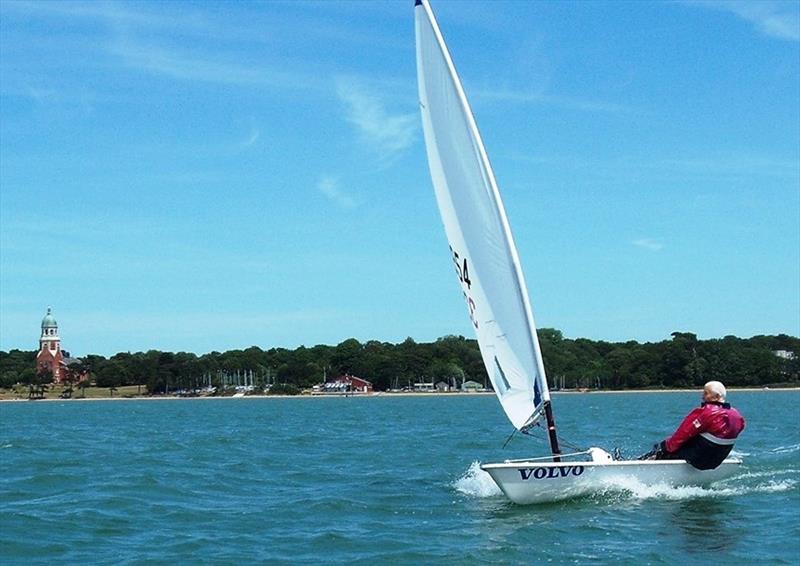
483	250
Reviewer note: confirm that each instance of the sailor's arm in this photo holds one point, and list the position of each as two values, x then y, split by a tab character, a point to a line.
688	429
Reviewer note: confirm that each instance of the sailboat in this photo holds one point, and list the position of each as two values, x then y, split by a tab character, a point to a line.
491	281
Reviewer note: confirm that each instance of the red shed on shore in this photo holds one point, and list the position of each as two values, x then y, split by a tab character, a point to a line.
349	382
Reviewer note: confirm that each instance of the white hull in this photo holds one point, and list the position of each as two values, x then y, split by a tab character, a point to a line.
538	481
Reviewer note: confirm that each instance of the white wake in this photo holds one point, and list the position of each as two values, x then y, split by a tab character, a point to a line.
477	483
786	449
634	489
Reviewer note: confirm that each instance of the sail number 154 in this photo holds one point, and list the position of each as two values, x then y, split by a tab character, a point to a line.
462	270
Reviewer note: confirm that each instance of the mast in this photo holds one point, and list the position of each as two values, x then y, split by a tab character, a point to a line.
551	431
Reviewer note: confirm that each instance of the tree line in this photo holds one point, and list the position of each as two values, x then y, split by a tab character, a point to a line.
682	361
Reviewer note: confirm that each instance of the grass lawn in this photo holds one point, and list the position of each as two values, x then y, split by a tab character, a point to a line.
55	391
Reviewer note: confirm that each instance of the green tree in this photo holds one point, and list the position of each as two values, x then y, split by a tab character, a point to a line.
111	374
8	379
677	360
83	384
347	356
449	372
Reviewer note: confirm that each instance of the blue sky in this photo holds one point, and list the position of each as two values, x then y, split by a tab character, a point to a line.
213	175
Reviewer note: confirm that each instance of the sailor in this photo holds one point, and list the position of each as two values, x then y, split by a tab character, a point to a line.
707	434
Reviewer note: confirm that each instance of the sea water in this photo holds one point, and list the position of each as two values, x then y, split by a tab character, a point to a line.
375	480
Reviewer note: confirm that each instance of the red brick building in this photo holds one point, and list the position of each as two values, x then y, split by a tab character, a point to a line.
50	355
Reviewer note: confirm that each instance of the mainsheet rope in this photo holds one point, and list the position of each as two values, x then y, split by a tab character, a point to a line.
561	439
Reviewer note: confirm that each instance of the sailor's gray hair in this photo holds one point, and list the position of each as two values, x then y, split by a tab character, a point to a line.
717	388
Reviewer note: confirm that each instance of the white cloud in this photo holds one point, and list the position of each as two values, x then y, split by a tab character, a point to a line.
167	44
184	65
389	134
251	139
648	244
558	101
112	13
329	187
719	165
780	20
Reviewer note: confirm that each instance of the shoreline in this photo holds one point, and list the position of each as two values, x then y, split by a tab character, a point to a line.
383	394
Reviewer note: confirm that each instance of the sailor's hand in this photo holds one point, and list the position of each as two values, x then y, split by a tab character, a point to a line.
653	454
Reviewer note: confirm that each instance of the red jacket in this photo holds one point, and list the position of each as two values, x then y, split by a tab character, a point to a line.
718	423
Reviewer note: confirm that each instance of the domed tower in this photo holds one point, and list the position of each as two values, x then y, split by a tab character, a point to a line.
49	355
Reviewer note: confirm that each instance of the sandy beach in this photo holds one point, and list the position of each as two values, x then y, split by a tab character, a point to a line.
374	394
